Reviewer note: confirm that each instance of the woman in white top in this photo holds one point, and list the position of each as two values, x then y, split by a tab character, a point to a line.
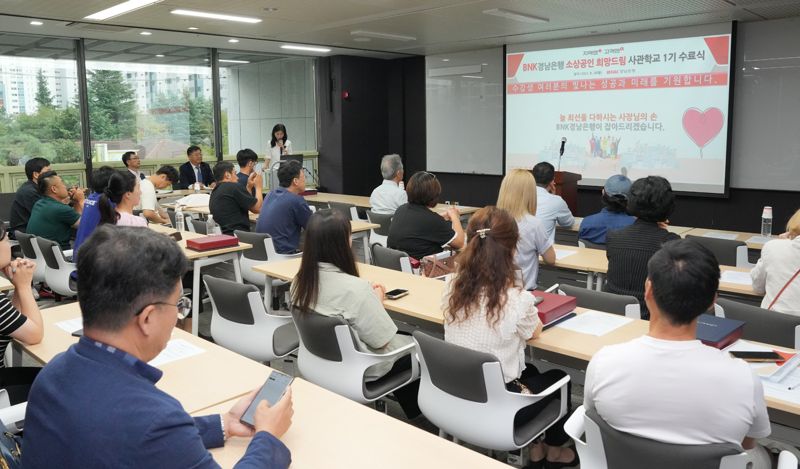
777	273
279	144
328	284
518	198
118	199
487	309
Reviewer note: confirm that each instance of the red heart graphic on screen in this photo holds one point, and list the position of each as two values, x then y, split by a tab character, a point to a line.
703	126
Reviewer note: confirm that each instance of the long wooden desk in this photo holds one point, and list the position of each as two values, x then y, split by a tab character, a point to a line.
330	431
678	230
200	259
739	236
180	193
200	381
363	202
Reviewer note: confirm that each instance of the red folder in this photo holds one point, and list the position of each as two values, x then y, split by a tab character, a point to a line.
207	243
554	306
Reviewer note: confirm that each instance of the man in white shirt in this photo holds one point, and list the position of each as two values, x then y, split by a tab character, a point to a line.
667	386
164	177
132	161
550	208
389	195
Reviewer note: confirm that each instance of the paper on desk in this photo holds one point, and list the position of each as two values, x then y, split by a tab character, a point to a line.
562	253
746	346
71	325
759	239
718	235
594	323
739	278
194	200
177	349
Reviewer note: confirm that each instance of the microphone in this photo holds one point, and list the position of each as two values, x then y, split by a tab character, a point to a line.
563	142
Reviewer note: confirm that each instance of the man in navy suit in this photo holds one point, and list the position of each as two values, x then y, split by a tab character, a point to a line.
195	170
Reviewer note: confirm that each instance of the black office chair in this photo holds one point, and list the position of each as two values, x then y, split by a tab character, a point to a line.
624	305
727	251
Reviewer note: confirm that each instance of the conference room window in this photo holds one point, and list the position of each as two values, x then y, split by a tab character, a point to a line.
39	115
258	91
150	98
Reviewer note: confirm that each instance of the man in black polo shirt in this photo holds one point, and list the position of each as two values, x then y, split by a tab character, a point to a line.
27	195
230	201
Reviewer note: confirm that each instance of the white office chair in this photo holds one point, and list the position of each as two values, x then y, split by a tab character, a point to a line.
602	447
381	234
239	322
30	250
391	259
328	356
59	271
463	392
603	301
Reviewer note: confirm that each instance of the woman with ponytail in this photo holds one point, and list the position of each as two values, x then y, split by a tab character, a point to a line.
487	309
123	192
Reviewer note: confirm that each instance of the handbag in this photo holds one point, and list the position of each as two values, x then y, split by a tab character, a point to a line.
10	451
434	265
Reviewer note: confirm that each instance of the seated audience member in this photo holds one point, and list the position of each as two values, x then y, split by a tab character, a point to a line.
328	284
52	218
151	210
628	249
668	386
119	197
550	208
27	194
613	216
285	212
777	274
247	160
389	195
132	161
20	319
230	202
418	230
195	170
96	405
518	198
487	309
90	217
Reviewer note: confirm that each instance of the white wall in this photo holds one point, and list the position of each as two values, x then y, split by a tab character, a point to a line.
260	95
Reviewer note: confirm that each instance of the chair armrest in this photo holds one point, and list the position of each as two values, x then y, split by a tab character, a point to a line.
10	416
553	387
796	337
394	353
575	426
787	460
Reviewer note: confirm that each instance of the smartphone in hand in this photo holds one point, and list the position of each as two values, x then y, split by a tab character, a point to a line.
271	391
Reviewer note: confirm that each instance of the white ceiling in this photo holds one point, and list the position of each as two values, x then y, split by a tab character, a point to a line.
439	26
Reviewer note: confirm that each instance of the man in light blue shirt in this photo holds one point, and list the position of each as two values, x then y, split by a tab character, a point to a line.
550	208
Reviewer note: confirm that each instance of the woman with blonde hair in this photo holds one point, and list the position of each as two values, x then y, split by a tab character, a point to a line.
518	197
777	274
487	310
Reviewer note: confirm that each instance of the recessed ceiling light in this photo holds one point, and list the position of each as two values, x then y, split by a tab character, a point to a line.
36	23
471	76
306	48
216	16
159	55
270	9
233	41
121	9
192	28
231	61
146	33
516	16
445	60
379	35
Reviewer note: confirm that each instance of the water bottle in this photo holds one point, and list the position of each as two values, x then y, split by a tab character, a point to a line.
179	220
766	222
211	227
196	187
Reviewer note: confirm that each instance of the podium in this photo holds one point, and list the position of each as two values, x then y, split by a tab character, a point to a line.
567	188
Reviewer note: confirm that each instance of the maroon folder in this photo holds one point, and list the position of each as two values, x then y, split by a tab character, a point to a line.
554	306
207	243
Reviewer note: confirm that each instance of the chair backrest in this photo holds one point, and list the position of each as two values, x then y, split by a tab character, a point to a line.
590	245
318	335
231	299
724	249
199	226
46	248
762	325
603	301
171	215
259	251
344	209
26	244
456	370
387	258
383	219
626	451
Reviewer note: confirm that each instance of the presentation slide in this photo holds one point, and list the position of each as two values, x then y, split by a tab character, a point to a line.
639	108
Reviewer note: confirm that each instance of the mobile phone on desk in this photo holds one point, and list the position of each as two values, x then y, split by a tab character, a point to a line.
396	293
757	357
271	391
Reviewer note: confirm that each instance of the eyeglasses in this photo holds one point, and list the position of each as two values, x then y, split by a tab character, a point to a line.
184	306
